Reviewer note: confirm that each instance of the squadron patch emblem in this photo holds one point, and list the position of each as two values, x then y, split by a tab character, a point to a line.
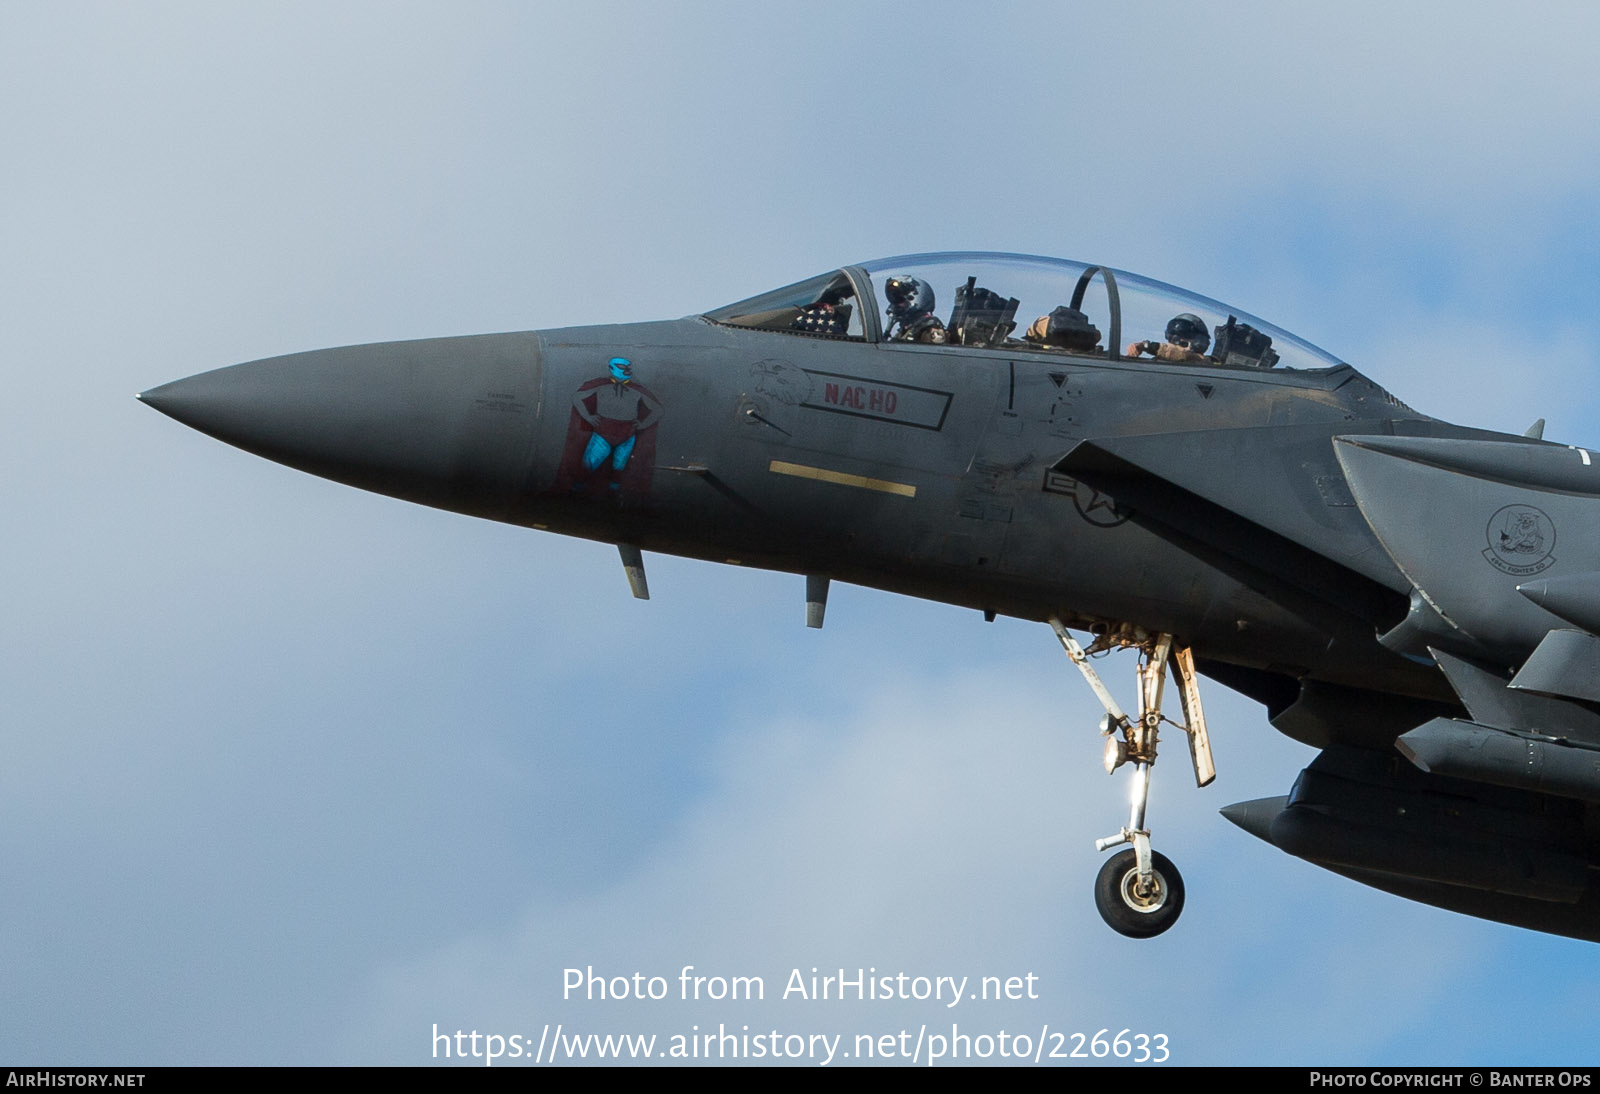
1522	540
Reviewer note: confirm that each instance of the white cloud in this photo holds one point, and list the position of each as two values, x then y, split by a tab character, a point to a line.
945	828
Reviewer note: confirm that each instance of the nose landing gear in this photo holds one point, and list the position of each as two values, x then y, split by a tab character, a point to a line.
1138	892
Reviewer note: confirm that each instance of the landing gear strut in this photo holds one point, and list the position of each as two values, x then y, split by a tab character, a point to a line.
1139	892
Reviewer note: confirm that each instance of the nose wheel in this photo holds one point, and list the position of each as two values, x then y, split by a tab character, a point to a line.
1134	906
1138	892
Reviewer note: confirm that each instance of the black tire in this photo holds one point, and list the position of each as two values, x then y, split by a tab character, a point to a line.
1124	909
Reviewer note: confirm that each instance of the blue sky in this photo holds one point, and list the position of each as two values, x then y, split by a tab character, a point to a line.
295	772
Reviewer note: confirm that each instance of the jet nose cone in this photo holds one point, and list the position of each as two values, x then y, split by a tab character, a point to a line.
446	422
168	398
232	404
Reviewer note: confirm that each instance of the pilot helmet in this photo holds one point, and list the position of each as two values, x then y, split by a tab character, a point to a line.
908	298
1189	330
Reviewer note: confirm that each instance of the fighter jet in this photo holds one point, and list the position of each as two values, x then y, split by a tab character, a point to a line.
1418	600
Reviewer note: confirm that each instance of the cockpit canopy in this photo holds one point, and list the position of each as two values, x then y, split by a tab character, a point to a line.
1021	303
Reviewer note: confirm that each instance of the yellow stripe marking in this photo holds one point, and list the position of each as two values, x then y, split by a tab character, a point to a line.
821	474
